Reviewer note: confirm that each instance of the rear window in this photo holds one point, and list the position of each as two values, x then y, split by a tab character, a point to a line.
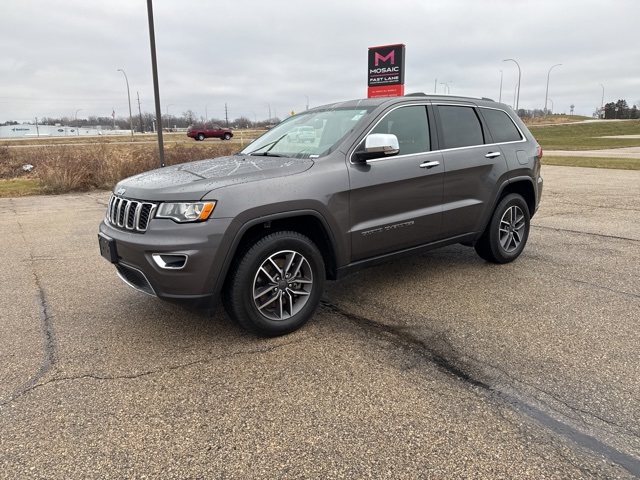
501	126
460	126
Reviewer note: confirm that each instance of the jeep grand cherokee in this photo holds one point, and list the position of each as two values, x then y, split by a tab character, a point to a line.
381	179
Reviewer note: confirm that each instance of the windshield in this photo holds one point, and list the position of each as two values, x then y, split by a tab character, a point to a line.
310	134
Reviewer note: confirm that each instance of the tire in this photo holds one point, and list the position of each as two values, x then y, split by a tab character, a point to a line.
200	137
259	295
226	136
507	232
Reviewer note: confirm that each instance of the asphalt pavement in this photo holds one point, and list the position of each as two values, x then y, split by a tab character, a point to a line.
437	366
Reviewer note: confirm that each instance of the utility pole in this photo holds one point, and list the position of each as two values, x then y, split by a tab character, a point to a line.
37	129
156	88
226	114
139	111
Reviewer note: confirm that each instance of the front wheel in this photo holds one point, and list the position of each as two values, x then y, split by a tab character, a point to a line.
507	231
201	136
226	136
276	284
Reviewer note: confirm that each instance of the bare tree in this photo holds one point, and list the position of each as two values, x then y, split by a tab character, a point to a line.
190	116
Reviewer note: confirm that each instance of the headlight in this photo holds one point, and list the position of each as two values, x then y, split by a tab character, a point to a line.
186	212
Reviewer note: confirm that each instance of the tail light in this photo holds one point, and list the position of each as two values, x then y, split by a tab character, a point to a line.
539	151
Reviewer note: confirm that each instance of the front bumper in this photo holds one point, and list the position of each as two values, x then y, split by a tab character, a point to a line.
196	281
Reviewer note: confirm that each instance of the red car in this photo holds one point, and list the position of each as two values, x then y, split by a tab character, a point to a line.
200	132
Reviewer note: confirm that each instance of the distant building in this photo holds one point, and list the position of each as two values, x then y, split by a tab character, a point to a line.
33	131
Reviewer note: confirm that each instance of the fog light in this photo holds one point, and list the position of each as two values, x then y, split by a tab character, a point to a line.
170	261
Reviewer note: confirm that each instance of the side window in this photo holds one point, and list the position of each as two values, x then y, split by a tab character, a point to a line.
501	126
410	125
207	126
460	126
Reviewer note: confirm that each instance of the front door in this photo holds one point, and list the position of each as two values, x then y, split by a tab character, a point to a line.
396	202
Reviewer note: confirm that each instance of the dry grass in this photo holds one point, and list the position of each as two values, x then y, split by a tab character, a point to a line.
68	168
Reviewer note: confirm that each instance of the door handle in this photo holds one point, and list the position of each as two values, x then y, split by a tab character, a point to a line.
431	164
492	155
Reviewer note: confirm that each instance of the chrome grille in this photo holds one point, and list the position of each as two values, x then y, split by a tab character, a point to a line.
130	214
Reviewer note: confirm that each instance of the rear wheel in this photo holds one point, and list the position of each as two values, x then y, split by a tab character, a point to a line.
276	284
507	231
200	136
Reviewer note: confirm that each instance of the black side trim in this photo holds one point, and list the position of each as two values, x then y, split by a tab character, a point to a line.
468	238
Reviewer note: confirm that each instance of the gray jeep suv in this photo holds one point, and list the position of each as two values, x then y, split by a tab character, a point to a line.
381	179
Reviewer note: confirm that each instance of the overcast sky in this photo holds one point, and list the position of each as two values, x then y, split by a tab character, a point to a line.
57	57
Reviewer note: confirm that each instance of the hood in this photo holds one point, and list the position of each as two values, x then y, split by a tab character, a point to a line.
192	181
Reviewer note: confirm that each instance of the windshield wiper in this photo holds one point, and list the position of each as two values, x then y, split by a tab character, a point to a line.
270	145
265	154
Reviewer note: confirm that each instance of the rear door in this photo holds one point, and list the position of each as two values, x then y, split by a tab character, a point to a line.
509	138
395	202
474	166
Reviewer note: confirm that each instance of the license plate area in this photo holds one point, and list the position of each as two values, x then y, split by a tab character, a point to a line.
108	248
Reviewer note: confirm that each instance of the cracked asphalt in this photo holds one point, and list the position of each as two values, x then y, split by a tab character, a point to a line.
437	366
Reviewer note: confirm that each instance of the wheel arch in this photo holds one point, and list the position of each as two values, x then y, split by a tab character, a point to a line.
524	187
307	222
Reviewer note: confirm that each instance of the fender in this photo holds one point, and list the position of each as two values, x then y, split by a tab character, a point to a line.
235	243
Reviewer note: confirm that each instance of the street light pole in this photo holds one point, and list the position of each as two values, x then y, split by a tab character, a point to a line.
500	98
519	80
168	126
546	95
307	102
602	101
268	105
552	109
76	117
129	98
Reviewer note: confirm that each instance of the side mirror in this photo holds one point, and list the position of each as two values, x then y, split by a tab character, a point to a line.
379	145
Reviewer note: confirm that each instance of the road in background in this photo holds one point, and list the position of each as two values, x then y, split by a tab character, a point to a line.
438	366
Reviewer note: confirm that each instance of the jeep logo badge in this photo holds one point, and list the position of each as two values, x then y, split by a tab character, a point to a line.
121	191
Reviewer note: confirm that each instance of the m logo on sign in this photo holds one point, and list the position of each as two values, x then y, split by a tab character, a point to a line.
379	58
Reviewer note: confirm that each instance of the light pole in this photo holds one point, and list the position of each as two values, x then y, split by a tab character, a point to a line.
446	87
268	105
500	98
551	104
546	94
515	91
206	113
307	102
602	102
76	117
517	104
168	126
129	98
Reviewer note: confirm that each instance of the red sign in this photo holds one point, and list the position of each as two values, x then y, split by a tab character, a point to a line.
387	91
